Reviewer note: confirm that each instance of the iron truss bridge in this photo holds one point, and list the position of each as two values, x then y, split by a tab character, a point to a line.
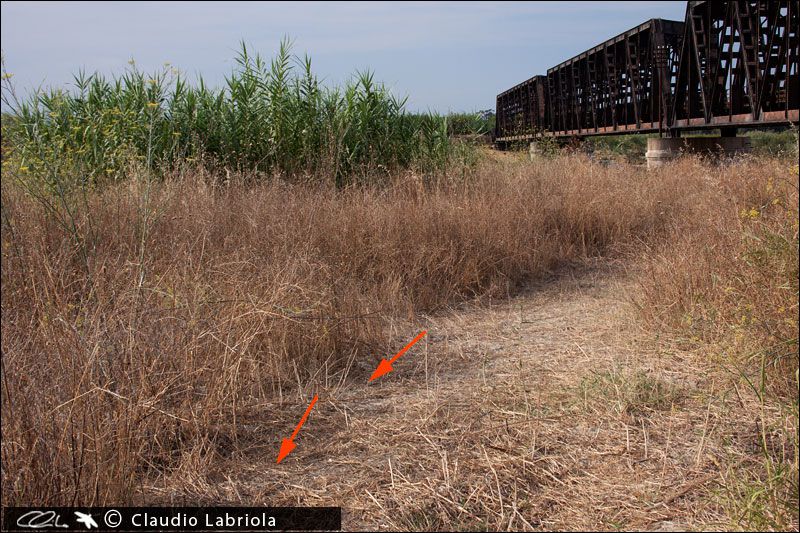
728	64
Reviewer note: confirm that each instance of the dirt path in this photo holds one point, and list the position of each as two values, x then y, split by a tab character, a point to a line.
548	410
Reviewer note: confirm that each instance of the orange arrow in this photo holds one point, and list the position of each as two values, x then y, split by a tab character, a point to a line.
288	444
384	367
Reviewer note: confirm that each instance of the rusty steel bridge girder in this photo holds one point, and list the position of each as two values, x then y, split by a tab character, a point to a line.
739	64
625	81
729	63
523	110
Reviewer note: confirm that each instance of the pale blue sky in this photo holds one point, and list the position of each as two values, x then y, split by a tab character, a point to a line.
445	56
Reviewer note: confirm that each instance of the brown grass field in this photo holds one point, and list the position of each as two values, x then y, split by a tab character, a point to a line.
608	347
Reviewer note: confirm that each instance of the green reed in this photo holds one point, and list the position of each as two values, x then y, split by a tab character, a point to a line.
270	116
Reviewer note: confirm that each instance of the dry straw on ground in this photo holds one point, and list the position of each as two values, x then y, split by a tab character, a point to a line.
156	347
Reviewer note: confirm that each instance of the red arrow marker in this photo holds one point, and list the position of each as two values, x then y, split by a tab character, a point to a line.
384	367
288	444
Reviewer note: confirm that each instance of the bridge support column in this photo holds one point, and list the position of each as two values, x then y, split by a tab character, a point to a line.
662	150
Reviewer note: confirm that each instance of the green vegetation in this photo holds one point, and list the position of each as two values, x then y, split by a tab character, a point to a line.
477	123
632	148
628	147
271	117
632	393
777	143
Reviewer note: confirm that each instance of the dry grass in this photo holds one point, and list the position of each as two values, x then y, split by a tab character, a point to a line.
729	274
200	317
550	410
726	284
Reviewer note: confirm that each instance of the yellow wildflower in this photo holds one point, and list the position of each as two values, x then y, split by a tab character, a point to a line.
751	213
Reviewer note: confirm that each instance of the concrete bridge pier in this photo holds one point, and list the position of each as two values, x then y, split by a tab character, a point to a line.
664	149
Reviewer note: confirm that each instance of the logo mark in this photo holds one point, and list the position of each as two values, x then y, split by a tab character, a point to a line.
86	519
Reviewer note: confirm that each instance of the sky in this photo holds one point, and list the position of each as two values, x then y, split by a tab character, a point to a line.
445	56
